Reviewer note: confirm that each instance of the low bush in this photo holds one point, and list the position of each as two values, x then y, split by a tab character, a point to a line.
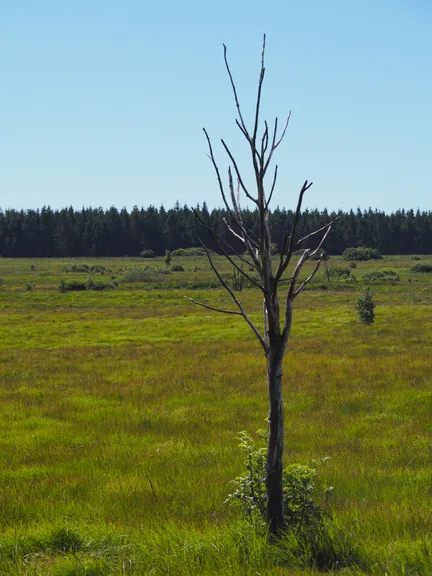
362	254
84	268
382	276
365	307
147	254
90	284
189	252
339	273
422	268
304	517
177	268
145	274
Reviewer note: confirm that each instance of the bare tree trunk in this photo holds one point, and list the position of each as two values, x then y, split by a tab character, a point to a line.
274	479
258	247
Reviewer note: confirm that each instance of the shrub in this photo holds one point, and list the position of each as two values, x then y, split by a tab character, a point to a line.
363	254
72	286
177	268
94	285
147	254
416	257
303	515
422	268
28	286
382	276
167	258
353	264
339	273
189	252
86	269
79	286
365	306
145	274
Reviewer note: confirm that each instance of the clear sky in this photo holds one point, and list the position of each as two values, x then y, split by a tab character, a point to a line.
103	102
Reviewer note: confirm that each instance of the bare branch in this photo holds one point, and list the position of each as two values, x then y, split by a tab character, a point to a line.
284	264
240	179
258	100
242	123
233	312
272	188
234	297
318	248
242	130
308	279
283	131
275	144
282	252
218	240
316	232
216	169
264	140
297	269
250	244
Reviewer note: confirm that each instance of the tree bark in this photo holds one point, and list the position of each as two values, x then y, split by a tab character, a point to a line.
274	479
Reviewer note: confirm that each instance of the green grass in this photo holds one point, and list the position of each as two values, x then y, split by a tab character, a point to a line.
119	412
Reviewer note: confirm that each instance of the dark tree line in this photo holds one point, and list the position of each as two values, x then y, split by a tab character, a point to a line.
98	232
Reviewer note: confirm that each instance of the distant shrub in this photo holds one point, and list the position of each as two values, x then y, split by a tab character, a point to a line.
90	284
33	267
189	252
167	258
274	249
177	268
147	254
28	286
144	274
365	306
382	276
200	285
95	285
363	254
86	269
422	268
353	264
72	286
339	273
201	269
416	257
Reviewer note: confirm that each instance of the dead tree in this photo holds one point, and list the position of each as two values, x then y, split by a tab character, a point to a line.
267	276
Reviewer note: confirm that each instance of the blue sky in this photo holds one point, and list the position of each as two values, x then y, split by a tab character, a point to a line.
103	102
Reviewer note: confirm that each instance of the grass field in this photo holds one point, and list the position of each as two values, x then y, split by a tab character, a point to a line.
120	410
